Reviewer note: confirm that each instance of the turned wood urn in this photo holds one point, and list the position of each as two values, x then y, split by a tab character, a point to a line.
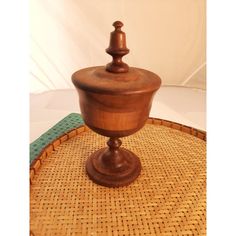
115	101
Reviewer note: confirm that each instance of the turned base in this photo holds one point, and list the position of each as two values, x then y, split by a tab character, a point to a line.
113	166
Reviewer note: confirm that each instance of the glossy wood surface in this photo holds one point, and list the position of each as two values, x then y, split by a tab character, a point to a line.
113	166
115	101
98	80
117	49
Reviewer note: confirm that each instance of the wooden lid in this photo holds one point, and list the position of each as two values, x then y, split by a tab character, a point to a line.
98	80
116	77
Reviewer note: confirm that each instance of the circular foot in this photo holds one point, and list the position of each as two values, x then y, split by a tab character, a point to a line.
113	169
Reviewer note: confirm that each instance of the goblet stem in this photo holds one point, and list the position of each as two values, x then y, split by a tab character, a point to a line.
113	166
113	157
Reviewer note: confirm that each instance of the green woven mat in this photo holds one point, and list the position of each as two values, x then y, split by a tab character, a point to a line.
70	122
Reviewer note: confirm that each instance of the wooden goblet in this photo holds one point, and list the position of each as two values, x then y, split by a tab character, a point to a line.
115	102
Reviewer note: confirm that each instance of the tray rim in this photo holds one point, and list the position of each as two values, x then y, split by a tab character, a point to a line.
50	147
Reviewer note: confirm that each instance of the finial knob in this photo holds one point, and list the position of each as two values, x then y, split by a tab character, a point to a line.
117	49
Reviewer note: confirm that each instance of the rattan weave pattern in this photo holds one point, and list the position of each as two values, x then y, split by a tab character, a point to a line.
168	198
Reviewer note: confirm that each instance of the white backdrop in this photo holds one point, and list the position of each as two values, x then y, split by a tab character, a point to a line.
164	36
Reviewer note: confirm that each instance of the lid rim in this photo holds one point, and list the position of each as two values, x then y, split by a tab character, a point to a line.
117	92
98	80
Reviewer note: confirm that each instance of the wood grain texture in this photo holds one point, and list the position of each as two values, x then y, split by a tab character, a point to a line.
115	101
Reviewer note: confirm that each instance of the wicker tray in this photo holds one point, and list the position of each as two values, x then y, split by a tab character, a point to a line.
168	198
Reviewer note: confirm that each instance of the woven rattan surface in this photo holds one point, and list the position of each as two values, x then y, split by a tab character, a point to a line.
168	198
